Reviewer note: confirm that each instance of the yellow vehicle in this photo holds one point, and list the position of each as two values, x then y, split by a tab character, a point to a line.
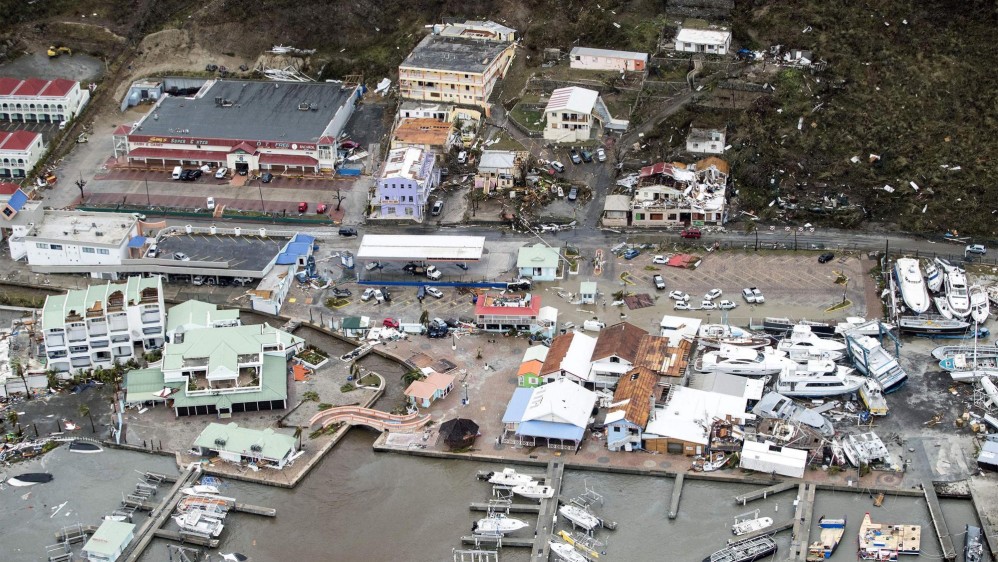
56	51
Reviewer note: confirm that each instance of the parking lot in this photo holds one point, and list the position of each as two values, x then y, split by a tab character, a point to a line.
250	252
48	130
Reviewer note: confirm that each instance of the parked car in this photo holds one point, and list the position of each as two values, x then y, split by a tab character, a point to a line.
185	175
153	251
341	293
197	280
348	231
759	298
433	273
601	154
444	172
679	296
712	294
435	292
748	295
681	305
660	259
976	249
631	254
437	332
379	297
727	305
302	207
558	166
195	174
210	203
691	233
367	295
573	193
659	282
373	265
244	172
587	156
826	257
321	208
519	284
180	256
707	305
576	159
438	206
241	281
386	294
421	293
267	177
462	157
221	173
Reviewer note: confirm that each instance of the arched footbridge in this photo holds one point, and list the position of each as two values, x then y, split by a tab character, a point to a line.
382	421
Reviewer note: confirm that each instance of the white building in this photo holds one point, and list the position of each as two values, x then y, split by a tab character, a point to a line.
109	541
569	115
682	426
43	101
100	326
405	182
605	59
75	242
710	41
19	152
706	141
569	357
476	29
773	459
678	328
538	262
497	169
195	315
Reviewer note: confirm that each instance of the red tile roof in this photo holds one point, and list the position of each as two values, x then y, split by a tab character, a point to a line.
486	305
245	147
8	188
58	88
36	87
18	140
8	85
31	87
123	130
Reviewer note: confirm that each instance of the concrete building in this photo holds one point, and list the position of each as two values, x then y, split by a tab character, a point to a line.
262	447
679	328
616	211
275	285
34	100
423	393
19	152
588	292
569	115
682	426
108	541
196	315
75	242
706	141
769	458
538	262
425	134
476	29
587	58
711	41
460	68
252	126
676	195
556	414
404	183
502	313
101	325
498	170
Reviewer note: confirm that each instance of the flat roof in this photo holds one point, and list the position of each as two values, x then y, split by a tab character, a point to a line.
690	412
105	229
590	52
423	130
421	247
454	54
258	110
110	538
709	36
249	253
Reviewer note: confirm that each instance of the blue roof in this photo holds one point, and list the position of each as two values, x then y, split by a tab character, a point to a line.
137	242
517	405
300	245
550	430
17	200
304	238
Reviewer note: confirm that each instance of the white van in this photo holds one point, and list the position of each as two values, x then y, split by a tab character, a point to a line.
177	171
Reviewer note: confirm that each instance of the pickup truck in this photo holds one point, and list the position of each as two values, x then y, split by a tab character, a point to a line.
433	273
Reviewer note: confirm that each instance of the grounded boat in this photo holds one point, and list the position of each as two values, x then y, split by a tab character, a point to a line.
775	405
819	378
743	361
534	490
962	368
942	305
801	355
747	550
84	447
566	552
198	522
803	336
971	351
832	531
781	326
933	279
580	517
881	541
30	479
973	546
710	463
864	448
508	477
913	290
957	295
746	526
200	490
934	326
873	360
979	307
855	325
872	395
497	525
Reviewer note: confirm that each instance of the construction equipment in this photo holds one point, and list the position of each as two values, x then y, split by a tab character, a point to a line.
55	51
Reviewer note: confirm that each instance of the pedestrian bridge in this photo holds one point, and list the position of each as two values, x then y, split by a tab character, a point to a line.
382	421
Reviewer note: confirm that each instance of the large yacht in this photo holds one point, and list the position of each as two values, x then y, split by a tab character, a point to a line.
912	285
744	361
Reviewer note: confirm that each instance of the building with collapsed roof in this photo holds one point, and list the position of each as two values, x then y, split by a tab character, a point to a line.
672	194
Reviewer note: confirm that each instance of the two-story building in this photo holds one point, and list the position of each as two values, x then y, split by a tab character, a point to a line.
633	402
102	325
498	170
34	100
19	152
706	141
675	195
569	115
75	241
476	28
404	184
507	312
587	58
424	133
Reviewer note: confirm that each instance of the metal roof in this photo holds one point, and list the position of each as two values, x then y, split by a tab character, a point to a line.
703	36
538	255
421	248
608	53
110	538
272	445
455	54
575	99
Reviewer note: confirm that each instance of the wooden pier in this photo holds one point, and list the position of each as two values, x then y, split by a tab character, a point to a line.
548	515
764	493
500	541
677	491
938	521
802	522
240	507
511	508
146	532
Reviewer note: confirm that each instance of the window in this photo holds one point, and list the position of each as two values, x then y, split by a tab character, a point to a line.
55	247
41	246
88	250
103	251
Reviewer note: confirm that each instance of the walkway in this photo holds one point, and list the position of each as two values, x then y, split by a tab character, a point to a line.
382	421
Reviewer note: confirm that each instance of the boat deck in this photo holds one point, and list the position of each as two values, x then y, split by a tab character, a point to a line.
881	537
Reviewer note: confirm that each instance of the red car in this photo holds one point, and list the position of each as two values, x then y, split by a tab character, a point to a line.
690	233
321	208
390	323
302	207
349	145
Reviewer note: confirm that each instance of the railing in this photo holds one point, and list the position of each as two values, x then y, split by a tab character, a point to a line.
355	415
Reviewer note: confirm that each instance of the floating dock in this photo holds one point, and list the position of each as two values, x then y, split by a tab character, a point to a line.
764	493
677	491
939	522
509	508
548	515
188	538
499	541
146	532
802	522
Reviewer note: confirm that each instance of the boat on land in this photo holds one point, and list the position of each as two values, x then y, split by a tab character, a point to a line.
803	336
883	541
942	305
580	517
200	490
957	292
970	351
743	361
980	309
933	278
782	326
746	526
716	335
534	490
507	477
913	289
872	396
85	447
967	368
817	379
861	326
586	544
832	531
30	479
934	325
566	552
874	361
747	550
497	525
865	448
973	546
200	523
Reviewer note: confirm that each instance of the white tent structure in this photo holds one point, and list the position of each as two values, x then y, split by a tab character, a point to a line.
773	459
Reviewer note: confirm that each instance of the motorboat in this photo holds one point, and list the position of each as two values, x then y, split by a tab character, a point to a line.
968	368
801	337
775	405
498	525
746	526
933	278
709	463
872	360
716	335
721	331
534	490
743	361
934	326
200	490
971	351
913	289
942	305
957	293
864	448
973	546
861	326
801	355
566	552
885	541
199	523
210	503
85	447
508	477
781	326
980	309
29	479
872	396
580	517
748	550
817	379
832	531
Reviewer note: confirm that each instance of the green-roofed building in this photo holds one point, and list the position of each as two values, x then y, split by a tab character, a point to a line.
103	324
108	542
196	314
538	262
238	444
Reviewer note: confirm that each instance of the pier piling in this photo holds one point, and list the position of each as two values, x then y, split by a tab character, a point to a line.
677	491
540	547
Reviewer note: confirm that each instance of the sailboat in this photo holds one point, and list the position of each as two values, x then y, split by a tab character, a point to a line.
979	306
832	531
971	367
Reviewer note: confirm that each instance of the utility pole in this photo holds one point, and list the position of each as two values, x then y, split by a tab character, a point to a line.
148	200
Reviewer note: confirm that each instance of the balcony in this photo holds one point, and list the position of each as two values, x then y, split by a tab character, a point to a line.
98	329
152	330
59	341
120	338
77	335
122	352
57	354
99	344
79	350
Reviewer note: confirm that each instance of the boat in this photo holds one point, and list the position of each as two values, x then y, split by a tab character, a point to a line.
716	335
497	525
979	307
881	541
206	502
942	305
566	552
586	543
84	447
933	279
971	351
747	550
973	546
199	523
872	396
580	517
964	368
909	280
993	294
933	325
817	379
30	479
873	361
832	531
200	490
865	448
746	526
957	295
743	361
118	518
775	405
709	463
803	336
861	326
534	490
508	477
801	355
781	326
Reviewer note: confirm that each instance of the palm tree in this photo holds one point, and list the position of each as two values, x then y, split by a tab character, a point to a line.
85	412
424	318
12	417
412	376
298	432
752	228
18	368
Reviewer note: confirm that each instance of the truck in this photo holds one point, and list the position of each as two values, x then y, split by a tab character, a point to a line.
433	273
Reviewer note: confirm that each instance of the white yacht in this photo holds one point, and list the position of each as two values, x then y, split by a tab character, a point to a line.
873	360
802	337
198	522
716	335
200	490
534	490
801	355
566	552
743	361
819	378
580	517
979	306
508	477
862	327
957	294
933	278
942	305
913	289
497	525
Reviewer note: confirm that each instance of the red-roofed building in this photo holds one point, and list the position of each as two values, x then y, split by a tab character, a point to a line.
501	313
7	189
34	100
19	152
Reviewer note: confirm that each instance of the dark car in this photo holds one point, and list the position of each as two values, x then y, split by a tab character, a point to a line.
187	175
267	177
631	254
387	295
243	171
195	174
826	257
348	231
587	156
340	293
576	159
437	332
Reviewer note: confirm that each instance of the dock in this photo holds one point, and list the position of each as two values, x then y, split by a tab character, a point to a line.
146	532
776	528
802	522
548	515
987	528
677	491
240	507
764	493
499	541
177	536
939	522
509	508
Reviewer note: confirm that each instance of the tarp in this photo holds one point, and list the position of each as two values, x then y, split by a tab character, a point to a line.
137	242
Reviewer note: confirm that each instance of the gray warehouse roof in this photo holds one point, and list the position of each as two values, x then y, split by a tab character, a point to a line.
265	111
454	54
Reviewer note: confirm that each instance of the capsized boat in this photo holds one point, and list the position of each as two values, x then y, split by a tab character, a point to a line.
508	477
534	490
913	290
200	490
497	525
775	405
817	379
580	517
957	294
566	552
979	307
29	479
973	546
747	550
872	360
746	526
933	279
832	531
198	522
883	541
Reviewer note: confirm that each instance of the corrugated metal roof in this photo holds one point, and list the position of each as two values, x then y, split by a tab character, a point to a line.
241	440
420	247
703	36
575	99
608	53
